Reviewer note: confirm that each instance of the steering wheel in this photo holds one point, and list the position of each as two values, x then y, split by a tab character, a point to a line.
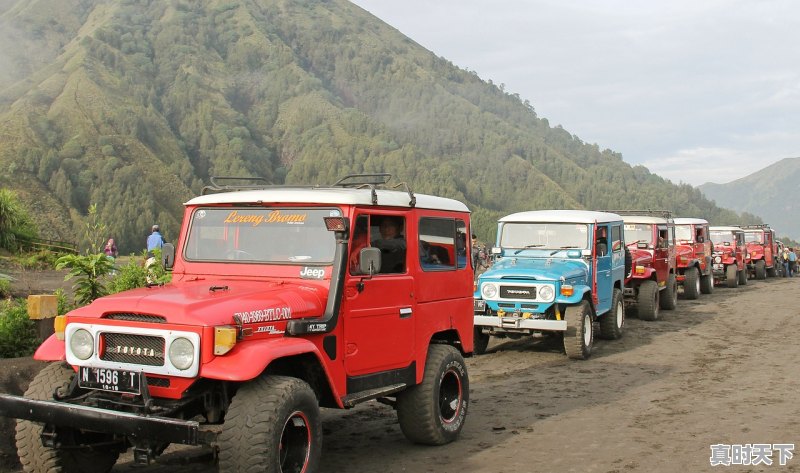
238	255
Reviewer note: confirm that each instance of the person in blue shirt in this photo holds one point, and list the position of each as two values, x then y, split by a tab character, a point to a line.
155	240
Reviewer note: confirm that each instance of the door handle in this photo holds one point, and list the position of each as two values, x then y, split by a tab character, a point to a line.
405	312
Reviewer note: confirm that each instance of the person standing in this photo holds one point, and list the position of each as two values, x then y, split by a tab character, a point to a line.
792	262
155	240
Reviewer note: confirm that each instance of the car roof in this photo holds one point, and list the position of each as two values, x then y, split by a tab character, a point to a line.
689	221
329	195
643	219
562	216
725	229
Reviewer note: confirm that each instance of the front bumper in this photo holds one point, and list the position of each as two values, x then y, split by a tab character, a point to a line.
161	429
507	322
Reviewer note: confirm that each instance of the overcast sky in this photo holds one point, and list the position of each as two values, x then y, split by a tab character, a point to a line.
696	90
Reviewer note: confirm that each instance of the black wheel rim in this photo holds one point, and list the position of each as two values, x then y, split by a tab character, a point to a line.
295	446
450	394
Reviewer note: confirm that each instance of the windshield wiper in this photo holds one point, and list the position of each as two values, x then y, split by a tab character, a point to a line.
526	247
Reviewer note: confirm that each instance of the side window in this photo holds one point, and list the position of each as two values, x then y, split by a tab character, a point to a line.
388	234
700	234
616	238
437	243
601	240
359	242
461	244
663	236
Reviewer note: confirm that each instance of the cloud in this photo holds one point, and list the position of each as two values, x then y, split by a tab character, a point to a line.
700	165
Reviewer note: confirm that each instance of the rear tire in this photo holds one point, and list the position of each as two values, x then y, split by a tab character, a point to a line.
480	340
579	335
35	457
647	304
611	322
691	283
669	299
761	269
732	276
273	425
743	277
433	412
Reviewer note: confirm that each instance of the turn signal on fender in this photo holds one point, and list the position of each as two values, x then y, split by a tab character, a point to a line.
224	339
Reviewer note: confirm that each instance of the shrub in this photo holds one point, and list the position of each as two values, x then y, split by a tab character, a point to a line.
43	259
18	335
5	288
129	276
88	271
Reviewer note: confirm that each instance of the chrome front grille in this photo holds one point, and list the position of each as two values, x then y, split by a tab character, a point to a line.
133	349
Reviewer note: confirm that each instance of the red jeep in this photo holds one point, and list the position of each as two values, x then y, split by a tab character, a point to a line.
760	241
694	252
282	300
729	257
651	284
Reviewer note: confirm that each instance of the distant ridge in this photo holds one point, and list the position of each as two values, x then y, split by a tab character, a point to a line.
772	193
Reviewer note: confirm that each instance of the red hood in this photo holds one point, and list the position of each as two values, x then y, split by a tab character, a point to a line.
686	250
194	303
641	257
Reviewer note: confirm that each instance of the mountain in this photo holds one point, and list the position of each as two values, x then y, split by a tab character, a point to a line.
133	104
773	193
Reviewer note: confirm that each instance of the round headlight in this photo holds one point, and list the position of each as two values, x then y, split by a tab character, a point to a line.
489	291
546	293
717	259
82	344
181	353
748	256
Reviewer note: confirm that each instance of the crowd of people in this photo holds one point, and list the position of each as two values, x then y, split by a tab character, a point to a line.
788	259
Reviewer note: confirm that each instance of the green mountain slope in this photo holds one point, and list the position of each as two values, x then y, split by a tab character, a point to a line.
772	193
134	104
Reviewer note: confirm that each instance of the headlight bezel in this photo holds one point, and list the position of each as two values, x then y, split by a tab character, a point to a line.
186	349
542	295
78	336
489	290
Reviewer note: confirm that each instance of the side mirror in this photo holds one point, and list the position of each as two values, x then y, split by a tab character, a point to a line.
168	255
370	261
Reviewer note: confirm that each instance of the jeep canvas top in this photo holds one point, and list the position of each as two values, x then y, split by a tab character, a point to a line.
556	271
282	300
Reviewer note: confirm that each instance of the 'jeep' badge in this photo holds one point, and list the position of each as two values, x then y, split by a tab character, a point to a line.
312	273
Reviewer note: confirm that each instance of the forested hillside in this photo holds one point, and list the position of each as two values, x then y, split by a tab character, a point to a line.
772	193
133	104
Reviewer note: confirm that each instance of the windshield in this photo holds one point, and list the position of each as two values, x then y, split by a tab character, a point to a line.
722	237
636	232
683	233
545	235
757	237
260	235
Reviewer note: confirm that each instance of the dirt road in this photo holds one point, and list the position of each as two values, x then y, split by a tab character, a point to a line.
718	370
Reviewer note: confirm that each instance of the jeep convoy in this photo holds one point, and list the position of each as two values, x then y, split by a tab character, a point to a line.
555	271
287	299
282	300
652	283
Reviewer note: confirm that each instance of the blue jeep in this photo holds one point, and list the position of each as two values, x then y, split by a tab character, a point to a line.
555	271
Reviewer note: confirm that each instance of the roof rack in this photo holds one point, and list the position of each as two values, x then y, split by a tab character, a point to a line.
666	214
372	181
217	186
754	226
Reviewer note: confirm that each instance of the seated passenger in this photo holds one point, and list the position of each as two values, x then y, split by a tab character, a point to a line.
392	245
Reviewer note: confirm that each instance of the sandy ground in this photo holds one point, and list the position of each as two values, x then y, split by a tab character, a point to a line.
718	370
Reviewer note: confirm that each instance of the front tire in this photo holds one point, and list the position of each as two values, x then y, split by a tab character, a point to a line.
480	340
612	321
707	283
761	269
647	301
433	412
691	283
579	336
35	457
273	425
743	277
670	297
732	276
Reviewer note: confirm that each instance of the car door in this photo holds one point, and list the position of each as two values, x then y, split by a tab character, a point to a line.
379	313
603	278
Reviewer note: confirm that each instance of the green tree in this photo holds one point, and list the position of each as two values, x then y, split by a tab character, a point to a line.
15	224
89	271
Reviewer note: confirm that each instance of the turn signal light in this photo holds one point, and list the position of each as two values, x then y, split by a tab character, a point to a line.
567	290
59	326
640	270
224	339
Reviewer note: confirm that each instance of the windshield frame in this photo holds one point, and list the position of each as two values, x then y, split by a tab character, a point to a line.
244	216
521	244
